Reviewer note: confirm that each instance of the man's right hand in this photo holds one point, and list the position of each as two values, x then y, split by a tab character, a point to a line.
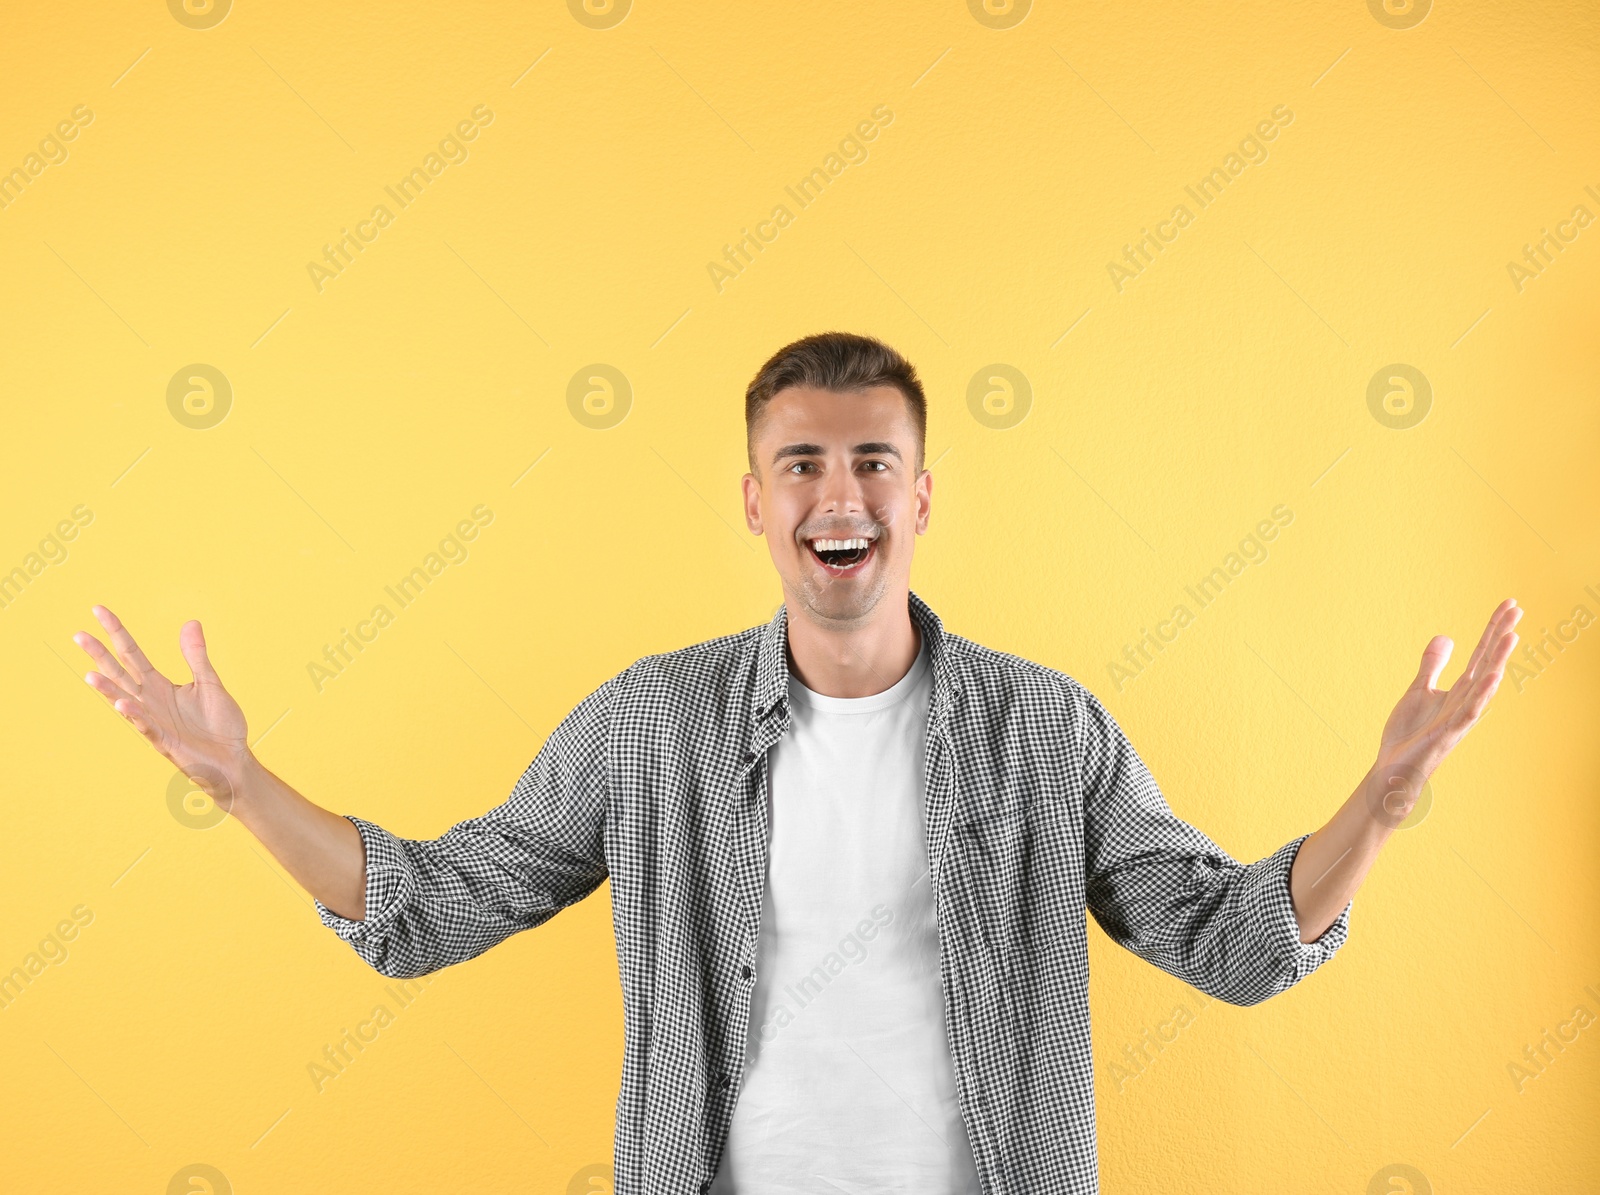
201	730
197	726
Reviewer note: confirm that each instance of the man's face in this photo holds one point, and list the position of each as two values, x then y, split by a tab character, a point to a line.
840	469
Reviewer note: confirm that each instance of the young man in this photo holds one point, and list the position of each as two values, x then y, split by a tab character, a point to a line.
850	852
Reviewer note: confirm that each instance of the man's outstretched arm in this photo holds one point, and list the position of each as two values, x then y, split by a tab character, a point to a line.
200	729
407	906
1163	889
1425	727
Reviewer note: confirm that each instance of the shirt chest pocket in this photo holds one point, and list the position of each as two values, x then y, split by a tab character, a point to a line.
1024	868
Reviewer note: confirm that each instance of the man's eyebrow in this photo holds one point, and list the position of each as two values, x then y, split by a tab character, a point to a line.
882	447
879	448
797	450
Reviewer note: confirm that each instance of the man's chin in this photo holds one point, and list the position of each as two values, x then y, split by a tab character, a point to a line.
841	603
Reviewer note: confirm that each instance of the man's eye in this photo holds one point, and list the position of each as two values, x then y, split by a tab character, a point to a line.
883	464
800	465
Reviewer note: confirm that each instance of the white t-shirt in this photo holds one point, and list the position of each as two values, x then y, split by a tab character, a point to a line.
848	1084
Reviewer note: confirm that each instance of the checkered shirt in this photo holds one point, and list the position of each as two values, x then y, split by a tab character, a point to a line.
1036	809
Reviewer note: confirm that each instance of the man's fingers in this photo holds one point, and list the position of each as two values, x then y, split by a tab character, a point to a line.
1474	706
1505	616
1434	657
129	707
192	642
1481	701
1483	641
1490	671
127	650
134	712
109	664
107	688
1494	664
125	704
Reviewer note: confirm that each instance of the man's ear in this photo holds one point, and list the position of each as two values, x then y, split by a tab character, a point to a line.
752	503
924	500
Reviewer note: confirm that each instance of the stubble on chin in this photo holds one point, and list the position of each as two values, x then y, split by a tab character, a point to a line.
841	606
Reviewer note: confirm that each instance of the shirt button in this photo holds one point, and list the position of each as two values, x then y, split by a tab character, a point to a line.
749	757
705	1187
746	971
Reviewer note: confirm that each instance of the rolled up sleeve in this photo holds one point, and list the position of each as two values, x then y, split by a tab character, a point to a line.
1270	907
391	882
1164	890
431	903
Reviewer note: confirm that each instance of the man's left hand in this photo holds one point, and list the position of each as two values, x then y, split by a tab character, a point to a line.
1428	722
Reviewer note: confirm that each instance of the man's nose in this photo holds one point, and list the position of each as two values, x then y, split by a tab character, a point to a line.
843	493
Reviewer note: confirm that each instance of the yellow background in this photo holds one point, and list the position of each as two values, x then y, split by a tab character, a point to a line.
371	416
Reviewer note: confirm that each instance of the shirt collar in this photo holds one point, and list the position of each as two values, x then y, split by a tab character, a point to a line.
772	663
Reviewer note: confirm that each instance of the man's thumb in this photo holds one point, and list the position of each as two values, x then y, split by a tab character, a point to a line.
192	642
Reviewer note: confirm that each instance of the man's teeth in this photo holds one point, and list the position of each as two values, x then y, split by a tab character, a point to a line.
840	545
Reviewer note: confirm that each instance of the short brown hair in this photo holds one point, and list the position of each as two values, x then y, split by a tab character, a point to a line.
841	362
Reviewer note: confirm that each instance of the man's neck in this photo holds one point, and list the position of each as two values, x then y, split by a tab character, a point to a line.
858	662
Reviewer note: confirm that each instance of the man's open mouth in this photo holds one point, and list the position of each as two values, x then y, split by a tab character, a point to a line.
842	557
